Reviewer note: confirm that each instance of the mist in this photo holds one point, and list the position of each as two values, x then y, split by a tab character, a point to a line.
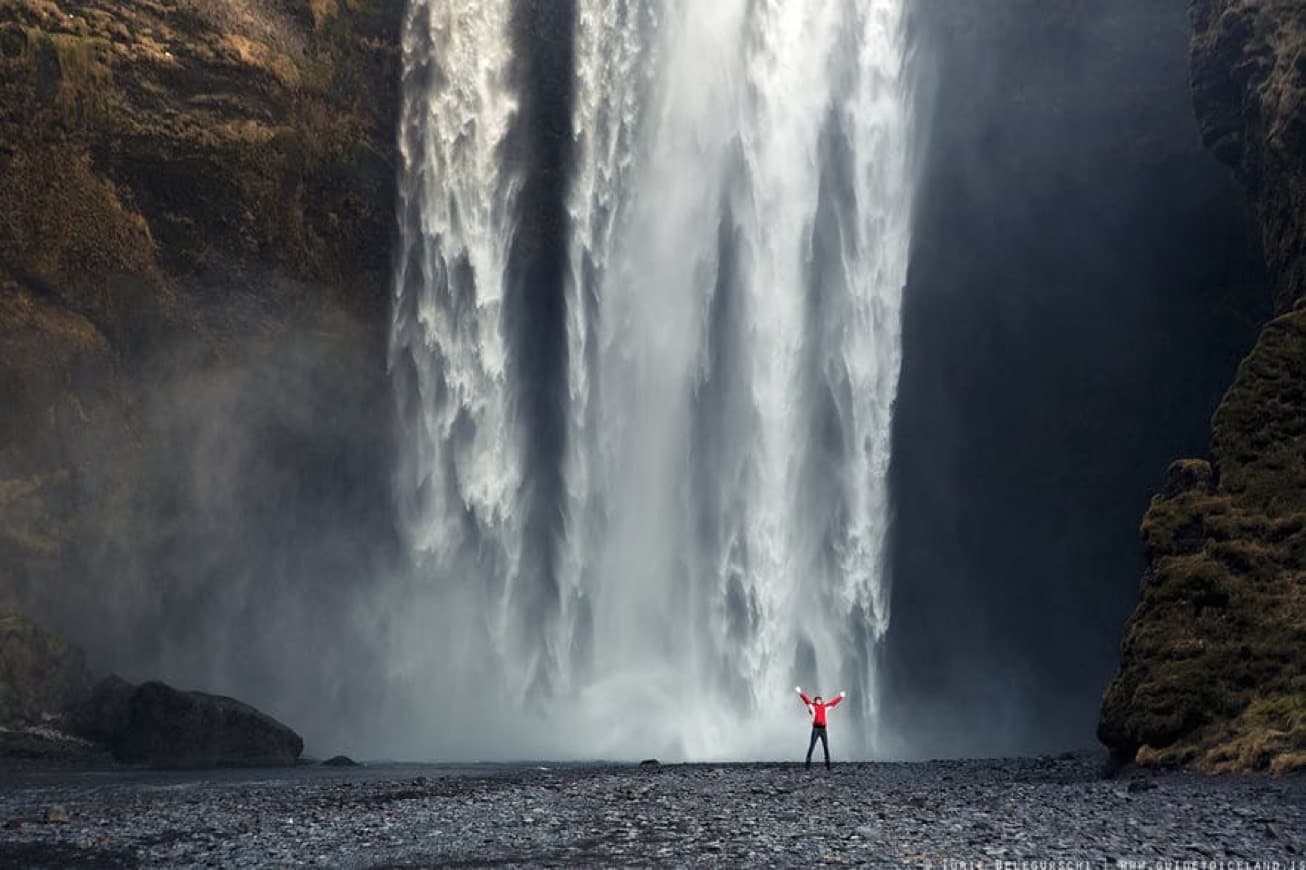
230	518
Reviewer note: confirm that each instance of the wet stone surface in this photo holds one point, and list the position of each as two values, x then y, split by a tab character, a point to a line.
1056	809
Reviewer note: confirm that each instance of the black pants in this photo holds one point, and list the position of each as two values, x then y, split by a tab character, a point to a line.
818	733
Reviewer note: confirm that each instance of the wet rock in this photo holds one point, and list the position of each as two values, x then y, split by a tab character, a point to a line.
56	815
340	761
161	726
106	714
978	810
40	674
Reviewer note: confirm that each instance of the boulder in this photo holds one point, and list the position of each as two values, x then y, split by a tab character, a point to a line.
158	725
105	715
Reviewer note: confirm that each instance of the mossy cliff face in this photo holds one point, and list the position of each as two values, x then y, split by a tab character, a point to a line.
39	673
1213	670
147	145
1249	90
191	193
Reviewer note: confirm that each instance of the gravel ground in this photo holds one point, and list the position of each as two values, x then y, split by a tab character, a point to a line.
958	814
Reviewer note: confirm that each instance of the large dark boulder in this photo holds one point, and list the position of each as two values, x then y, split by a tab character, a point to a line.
105	715
161	726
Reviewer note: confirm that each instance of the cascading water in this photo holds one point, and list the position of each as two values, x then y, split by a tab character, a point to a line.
710	526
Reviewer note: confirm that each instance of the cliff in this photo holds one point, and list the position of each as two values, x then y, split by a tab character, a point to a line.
1213	670
196	199
1083	285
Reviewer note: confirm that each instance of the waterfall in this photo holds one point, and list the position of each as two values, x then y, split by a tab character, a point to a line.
638	544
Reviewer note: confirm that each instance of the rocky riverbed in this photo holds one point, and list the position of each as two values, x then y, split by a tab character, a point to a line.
926	814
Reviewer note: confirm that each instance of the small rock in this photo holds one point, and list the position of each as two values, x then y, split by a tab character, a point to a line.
340	761
649	762
56	815
13	824
1139	783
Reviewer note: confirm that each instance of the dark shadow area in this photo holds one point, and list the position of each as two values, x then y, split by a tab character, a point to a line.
1082	288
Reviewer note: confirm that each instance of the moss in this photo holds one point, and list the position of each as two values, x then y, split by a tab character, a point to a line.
1174	526
39	672
1259	435
13	42
28	521
1218	634
323	11
181	138
179	174
1213	665
32	542
68	78
1269	735
64	225
259	56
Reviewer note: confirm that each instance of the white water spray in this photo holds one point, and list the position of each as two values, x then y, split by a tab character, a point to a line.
740	206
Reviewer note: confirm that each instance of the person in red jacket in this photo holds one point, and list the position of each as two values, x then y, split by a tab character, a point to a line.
816	708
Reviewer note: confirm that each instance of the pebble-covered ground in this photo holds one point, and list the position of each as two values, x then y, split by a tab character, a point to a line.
961	814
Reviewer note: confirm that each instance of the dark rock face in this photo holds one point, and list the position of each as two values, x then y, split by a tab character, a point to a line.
43	680
106	714
40	675
1213	669
1249	90
161	726
196	201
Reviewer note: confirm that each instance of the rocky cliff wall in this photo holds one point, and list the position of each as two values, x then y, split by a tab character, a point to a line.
1213	669
196	203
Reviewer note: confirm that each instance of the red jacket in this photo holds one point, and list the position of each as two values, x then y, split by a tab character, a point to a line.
816	710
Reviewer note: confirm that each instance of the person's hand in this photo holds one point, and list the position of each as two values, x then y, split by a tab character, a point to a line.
798	689
843	694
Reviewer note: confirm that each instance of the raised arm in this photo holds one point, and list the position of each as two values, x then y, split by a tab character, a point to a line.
837	699
806	700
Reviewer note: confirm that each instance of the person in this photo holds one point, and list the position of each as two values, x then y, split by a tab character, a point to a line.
816	708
